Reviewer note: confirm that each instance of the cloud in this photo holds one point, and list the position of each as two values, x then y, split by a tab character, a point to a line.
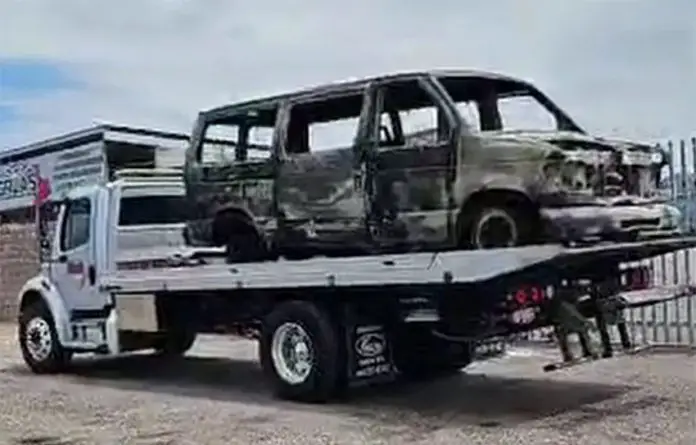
617	66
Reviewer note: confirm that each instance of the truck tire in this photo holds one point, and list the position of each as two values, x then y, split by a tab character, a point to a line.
300	352
175	343
38	340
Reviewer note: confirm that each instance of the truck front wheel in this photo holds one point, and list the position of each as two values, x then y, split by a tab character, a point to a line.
300	352
38	340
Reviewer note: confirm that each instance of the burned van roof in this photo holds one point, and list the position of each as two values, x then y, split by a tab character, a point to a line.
357	85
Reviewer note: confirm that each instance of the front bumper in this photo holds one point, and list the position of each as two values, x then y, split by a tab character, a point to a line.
588	224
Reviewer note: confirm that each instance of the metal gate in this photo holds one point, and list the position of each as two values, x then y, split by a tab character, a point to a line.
673	323
670	323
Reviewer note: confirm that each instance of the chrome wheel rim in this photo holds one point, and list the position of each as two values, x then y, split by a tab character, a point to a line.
292	353
38	339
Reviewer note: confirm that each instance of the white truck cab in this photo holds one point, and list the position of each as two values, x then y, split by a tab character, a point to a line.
66	303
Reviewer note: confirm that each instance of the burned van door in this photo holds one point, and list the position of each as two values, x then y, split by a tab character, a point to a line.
413	159
320	199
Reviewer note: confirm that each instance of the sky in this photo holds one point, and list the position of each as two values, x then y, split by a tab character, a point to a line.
619	67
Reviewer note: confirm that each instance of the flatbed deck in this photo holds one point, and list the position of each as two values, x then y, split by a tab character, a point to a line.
457	267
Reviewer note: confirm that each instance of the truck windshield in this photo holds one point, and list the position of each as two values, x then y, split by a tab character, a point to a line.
150	210
493	104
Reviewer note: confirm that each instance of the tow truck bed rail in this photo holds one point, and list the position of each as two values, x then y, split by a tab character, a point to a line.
458	267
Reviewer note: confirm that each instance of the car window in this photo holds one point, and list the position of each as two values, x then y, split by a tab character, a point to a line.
470	113
415	116
239	138
219	143
144	210
523	112
338	133
76	225
323	124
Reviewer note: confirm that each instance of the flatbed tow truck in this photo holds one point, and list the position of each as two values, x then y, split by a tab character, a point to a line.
324	324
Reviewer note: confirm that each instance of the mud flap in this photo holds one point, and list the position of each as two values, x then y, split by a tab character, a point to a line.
369	355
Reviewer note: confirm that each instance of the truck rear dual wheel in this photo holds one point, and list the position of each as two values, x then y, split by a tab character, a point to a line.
38	340
300	352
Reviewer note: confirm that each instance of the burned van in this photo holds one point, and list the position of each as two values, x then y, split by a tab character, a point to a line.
406	162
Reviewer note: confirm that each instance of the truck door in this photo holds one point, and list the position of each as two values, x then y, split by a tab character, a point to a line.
74	260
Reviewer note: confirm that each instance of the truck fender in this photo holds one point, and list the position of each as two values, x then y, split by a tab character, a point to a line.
41	287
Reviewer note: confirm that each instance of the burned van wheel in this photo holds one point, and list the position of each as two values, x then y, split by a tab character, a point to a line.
300	352
245	248
38	340
175	343
499	227
242	241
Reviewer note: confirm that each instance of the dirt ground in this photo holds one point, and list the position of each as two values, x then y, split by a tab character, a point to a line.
217	396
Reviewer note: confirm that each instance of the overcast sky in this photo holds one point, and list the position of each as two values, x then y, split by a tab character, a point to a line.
622	67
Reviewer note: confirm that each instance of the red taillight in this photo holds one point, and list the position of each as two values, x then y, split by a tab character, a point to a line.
521	297
529	294
638	278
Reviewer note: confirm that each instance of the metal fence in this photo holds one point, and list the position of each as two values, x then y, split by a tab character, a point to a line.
673	322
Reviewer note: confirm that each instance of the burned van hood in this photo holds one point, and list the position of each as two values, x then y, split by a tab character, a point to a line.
513	147
598	148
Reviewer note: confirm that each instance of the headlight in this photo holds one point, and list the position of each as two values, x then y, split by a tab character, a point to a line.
552	176
657	158
672	216
552	170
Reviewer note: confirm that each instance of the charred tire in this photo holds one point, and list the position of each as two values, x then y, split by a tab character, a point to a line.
175	343
38	340
242	241
499	226
419	355
301	353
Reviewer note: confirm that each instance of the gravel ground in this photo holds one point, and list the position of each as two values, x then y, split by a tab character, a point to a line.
205	399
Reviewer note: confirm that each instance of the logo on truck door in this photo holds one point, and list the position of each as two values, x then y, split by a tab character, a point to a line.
77	267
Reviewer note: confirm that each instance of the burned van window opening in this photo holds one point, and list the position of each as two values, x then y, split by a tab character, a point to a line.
247	136
323	124
503	104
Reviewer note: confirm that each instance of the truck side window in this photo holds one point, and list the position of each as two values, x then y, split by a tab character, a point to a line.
76	225
146	210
